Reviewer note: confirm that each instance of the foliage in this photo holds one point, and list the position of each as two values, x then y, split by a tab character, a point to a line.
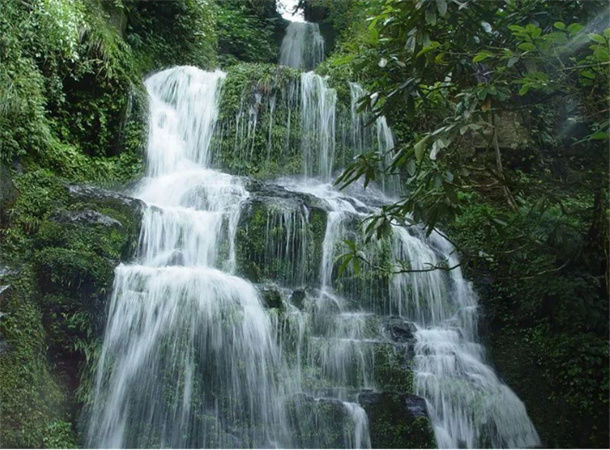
248	31
501	123
169	33
421	49
71	92
30	394
257	129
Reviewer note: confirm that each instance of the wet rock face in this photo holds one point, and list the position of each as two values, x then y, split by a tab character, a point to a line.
319	422
400	330
397	420
270	296
279	237
86	217
98	195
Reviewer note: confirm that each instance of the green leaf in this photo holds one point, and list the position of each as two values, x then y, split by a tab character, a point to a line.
597	38
441	5
411	167
481	56
527	47
599	136
430	15
420	147
560	25
344	59
575	28
512	61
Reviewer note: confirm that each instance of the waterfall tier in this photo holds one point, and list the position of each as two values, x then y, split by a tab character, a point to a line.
233	328
302	47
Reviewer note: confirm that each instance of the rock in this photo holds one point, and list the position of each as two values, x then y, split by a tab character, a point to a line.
400	330
397	420
4	346
298	298
96	194
6	271
176	259
271	193
4	291
270	296
86	217
416	406
318	422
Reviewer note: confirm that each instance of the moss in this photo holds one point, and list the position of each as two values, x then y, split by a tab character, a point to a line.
393	425
393	369
66	242
258	122
32	397
319	423
263	237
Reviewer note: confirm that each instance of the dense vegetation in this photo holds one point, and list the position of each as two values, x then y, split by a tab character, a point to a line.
73	109
501	120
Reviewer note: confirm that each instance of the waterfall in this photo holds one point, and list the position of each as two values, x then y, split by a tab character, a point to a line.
303	46
188	353
317	126
195	356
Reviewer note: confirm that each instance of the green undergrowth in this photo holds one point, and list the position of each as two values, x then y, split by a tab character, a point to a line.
544	298
64	247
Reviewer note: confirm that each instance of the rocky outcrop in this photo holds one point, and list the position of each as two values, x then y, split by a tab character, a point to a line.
397	420
58	300
279	236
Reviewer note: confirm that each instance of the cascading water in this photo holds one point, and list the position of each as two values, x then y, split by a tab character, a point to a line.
303	46
192	358
188	355
317	126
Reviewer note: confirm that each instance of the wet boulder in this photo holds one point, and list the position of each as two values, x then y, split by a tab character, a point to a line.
397	420
279	237
400	330
319	422
270	296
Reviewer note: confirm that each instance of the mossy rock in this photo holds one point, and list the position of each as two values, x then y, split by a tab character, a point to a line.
319	423
397	420
271	226
66	241
32	395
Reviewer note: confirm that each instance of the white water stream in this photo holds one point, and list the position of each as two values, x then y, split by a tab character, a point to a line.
192	359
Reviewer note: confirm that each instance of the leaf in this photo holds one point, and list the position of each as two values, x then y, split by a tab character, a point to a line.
599	136
419	148
512	61
481	56
441	5
344	59
575	28
410	44
597	38
430	15
527	47
411	167
560	25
